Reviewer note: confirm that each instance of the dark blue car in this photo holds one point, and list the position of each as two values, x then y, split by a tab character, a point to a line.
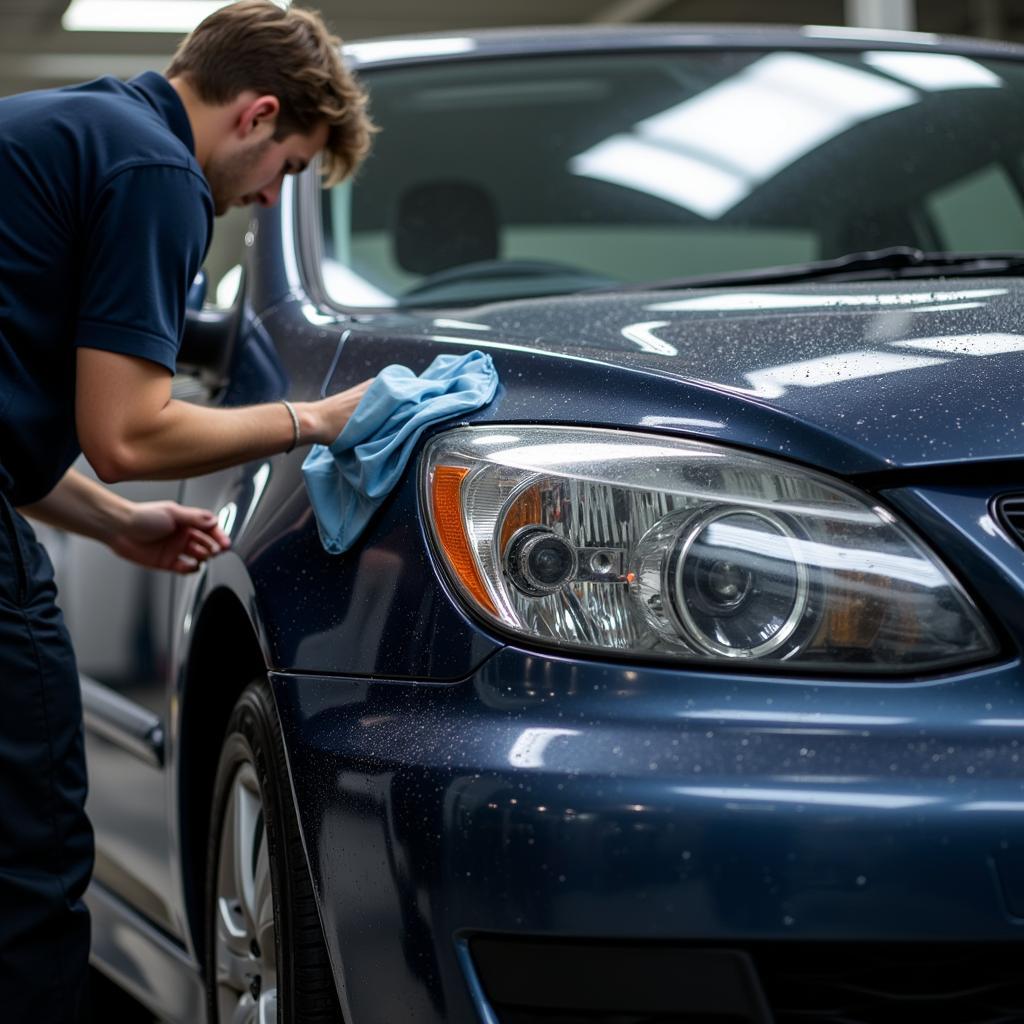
681	683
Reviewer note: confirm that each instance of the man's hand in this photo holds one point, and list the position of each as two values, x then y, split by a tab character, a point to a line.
166	535
324	420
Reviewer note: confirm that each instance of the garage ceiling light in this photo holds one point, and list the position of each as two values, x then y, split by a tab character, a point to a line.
646	166
710	152
934	71
172	16
406	49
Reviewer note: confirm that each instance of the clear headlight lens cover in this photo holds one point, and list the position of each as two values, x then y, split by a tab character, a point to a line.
617	541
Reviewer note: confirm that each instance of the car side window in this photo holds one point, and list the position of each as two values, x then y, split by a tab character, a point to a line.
224	261
223	269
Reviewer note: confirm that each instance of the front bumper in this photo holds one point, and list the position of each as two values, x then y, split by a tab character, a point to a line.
548	797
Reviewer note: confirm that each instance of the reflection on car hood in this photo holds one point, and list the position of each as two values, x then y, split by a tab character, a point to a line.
916	373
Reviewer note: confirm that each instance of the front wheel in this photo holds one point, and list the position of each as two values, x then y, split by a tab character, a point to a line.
265	957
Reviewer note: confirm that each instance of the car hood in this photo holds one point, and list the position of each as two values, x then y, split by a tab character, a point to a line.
908	373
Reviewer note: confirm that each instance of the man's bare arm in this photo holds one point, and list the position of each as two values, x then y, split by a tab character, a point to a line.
81	505
156	534
130	428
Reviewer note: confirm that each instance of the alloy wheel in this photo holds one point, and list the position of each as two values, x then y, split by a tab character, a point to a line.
244	925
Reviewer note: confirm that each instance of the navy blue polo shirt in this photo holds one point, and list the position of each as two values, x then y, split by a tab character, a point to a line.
105	219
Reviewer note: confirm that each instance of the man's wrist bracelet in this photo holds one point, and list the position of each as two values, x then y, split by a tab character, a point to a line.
295	423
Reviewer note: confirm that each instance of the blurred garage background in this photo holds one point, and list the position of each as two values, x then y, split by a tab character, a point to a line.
52	42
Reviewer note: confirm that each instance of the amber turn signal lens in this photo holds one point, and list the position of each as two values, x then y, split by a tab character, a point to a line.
446	501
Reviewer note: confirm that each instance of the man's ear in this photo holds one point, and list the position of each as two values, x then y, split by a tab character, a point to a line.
262	110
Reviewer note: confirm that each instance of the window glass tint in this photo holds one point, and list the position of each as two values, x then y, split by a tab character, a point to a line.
223	264
981	211
533	176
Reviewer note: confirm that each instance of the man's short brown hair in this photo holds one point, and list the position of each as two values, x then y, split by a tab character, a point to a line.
287	53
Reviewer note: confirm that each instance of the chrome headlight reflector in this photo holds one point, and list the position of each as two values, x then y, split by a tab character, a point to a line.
612	540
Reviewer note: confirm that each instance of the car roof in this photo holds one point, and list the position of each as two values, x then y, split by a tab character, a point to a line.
562	39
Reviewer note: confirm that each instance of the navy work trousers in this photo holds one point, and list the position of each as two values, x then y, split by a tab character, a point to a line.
46	843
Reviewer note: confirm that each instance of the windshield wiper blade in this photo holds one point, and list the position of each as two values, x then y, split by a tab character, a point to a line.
895	262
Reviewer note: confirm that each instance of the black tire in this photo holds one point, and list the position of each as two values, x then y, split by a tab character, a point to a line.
253	754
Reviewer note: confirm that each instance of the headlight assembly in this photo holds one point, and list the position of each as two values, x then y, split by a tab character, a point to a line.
610	540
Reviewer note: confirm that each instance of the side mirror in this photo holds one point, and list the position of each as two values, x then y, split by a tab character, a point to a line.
210	334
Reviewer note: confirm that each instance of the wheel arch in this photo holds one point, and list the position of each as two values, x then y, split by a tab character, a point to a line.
224	656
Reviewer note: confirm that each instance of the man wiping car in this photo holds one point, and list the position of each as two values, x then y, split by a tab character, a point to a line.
110	190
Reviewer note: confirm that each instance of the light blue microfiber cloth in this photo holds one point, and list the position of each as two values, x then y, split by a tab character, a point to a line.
348	480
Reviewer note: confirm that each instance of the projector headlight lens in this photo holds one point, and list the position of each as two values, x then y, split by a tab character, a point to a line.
736	583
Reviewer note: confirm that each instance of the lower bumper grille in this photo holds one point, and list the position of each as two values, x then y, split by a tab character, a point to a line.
892	983
566	982
533	1016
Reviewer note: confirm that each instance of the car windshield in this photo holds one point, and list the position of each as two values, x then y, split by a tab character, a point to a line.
499	179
